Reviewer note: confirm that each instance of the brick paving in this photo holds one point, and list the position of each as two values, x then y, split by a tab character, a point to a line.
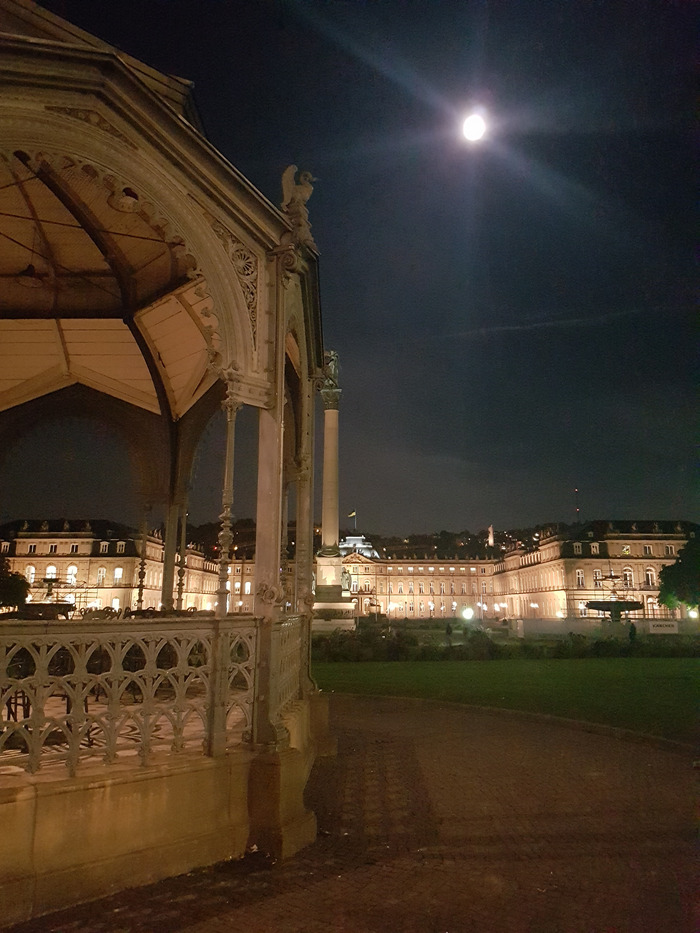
440	819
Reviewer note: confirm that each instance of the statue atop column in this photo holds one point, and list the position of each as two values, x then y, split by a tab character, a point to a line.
330	389
295	194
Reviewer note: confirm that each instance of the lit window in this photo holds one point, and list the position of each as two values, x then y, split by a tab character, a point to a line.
472	570
669	550
582	608
104	547
51	572
442	589
30	573
246	588
410	586
648	550
101	576
464	588
238	569
368	586
353	586
421	586
237	586
597	578
121	546
482	570
432	587
580	578
118	573
626	549
5	547
72	575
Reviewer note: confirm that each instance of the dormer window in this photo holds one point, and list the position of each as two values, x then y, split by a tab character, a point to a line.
577	547
104	547
121	547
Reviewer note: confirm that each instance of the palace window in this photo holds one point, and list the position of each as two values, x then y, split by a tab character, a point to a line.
650	577
72	575
464	589
104	547
31	549
51	572
421	587
577	547
483	587
246	587
368	586
597	578
400	589
74	548
30	573
237	586
5	547
353	586
442	589
583	611
669	550
452	587
121	547
595	547
101	575
628	576
432	587
118	573
53	548
648	550
390	588
410	586
580	578
626	549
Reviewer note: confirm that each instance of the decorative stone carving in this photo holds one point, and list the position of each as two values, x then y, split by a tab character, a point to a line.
295	194
94	119
245	265
270	594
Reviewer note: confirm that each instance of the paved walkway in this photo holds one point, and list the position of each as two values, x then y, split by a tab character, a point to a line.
440	819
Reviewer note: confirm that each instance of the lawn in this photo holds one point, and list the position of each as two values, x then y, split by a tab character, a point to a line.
658	696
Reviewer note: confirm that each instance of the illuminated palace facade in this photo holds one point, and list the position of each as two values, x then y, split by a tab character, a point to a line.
105	565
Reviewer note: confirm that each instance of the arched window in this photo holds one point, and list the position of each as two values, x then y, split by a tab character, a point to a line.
650	576
367	586
72	575
580	579
30	573
118	574
51	572
101	575
628	577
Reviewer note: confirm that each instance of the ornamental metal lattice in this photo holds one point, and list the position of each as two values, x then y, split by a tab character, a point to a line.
131	692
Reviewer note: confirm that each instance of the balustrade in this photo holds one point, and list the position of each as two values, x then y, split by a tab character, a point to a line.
128	690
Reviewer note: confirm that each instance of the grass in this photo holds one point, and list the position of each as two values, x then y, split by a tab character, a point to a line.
658	696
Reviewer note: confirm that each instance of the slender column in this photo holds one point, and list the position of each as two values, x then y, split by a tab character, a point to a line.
330	395
142	561
268	591
169	548
183	556
230	406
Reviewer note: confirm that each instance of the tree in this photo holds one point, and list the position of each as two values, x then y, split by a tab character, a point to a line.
13	586
680	582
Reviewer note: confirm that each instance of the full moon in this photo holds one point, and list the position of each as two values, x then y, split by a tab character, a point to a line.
474	127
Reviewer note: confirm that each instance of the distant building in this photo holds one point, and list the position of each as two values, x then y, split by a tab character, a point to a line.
97	564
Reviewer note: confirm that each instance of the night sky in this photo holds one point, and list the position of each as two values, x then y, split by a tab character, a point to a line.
513	318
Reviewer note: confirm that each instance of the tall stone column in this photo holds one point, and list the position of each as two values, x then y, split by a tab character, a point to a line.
329	566
230	405
330	395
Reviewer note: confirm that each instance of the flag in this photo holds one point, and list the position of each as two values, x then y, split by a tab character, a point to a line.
352	514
